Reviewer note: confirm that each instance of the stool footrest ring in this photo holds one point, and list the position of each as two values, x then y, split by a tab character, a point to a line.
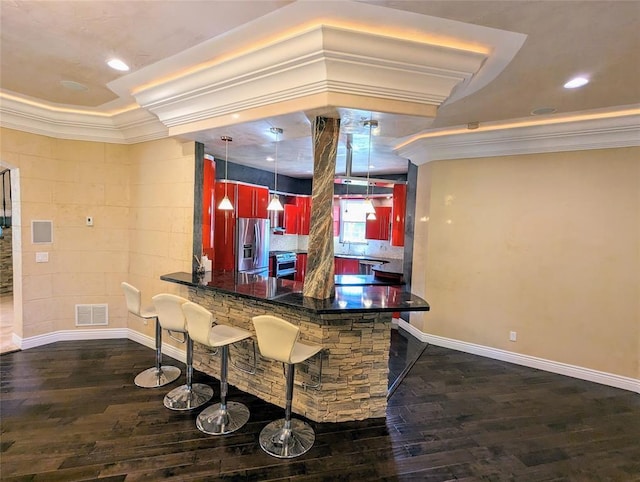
251	370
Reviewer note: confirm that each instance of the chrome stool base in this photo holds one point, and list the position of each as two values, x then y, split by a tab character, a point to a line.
153	378
284	443
215	421
183	398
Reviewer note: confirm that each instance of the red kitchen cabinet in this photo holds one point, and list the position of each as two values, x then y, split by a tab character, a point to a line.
224	229
350	266
290	219
208	206
252	201
346	265
304	214
301	267
336	219
380	227
398	214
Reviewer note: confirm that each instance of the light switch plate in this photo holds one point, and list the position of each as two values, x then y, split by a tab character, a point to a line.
42	257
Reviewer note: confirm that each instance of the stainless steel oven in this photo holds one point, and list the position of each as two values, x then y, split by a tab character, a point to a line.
285	264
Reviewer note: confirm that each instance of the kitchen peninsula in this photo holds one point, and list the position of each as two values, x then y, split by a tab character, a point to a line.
354	328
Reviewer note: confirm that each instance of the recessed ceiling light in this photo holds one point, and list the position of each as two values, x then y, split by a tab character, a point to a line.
118	64
270	159
543	111
576	82
73	85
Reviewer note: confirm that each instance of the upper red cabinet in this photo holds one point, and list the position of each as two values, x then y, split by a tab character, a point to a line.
252	201
398	214
380	227
304	214
290	219
224	228
208	206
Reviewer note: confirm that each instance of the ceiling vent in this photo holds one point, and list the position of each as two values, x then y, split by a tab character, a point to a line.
92	315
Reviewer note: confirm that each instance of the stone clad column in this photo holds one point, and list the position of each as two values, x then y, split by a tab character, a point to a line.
319	282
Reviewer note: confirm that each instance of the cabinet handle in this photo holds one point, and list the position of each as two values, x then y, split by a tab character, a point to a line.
254	209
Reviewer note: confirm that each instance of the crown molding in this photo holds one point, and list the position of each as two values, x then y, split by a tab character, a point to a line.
320	60
576	133
305	55
128	127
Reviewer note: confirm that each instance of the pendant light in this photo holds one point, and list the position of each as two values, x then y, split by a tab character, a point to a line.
275	204
225	204
369	209
372	214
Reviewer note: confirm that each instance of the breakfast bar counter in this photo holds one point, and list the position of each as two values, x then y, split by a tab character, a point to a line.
353	327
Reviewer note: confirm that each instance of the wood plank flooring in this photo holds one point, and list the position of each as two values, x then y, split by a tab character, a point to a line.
6	324
70	412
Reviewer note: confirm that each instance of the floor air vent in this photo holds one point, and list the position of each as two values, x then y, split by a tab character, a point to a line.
92	315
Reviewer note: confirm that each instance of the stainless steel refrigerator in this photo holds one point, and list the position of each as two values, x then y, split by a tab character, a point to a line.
252	249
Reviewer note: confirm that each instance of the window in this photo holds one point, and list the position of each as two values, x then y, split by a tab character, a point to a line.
353	219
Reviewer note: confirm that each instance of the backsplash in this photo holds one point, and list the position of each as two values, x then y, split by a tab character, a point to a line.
284	242
382	249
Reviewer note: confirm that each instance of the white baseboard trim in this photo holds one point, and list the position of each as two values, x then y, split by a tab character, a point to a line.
98	334
71	335
604	378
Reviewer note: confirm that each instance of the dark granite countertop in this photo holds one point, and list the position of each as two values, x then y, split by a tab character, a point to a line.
362	280
344	255
348	298
395	266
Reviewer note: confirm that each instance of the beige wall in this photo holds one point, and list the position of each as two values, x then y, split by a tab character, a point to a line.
545	245
161	221
141	199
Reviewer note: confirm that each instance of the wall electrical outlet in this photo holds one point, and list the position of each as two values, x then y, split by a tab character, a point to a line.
42	257
513	336
89	220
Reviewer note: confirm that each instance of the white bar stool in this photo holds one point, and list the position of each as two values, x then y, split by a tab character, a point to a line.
159	375
171	318
224	417
278	340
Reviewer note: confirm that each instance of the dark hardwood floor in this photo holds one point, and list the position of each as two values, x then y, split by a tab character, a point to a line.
70	411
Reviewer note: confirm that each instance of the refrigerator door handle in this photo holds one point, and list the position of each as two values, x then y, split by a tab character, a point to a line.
258	243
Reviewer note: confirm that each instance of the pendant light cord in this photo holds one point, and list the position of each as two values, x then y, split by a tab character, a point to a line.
226	140
277	131
369	158
226	164
275	181
371	123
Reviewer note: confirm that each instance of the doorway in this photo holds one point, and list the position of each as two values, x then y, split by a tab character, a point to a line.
10	237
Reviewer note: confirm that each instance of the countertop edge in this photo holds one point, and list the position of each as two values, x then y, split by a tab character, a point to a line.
296	300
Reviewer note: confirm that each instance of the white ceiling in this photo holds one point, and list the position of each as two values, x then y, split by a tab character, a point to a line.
45	42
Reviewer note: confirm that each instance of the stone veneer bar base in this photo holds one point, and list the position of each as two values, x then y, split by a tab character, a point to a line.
356	358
